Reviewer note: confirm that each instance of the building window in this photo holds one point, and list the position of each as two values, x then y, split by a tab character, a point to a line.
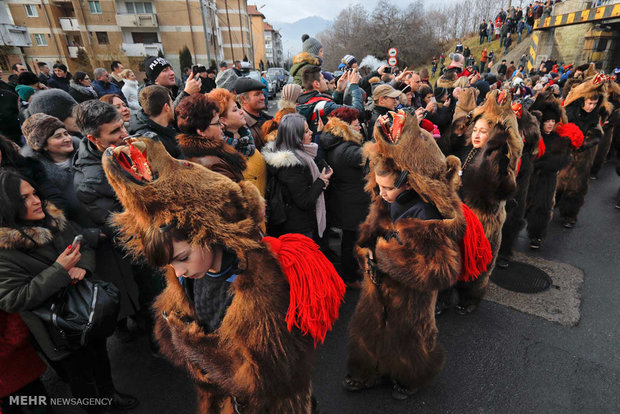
39	39
139	7
95	7
102	38
31	10
144	37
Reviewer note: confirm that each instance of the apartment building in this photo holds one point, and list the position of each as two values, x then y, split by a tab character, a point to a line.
273	46
257	37
107	30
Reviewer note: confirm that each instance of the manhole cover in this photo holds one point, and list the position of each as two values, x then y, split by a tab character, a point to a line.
522	278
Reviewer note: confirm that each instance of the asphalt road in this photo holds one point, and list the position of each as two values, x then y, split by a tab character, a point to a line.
498	359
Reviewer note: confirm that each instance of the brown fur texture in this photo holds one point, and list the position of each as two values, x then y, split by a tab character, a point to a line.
466	103
488	181
393	332
214	154
574	179
340	128
251	358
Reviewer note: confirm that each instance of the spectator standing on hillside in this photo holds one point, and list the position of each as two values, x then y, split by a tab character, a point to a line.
501	70
490	30
520	27
507	42
482	31
459	47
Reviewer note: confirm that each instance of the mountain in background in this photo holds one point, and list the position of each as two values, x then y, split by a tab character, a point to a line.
291	32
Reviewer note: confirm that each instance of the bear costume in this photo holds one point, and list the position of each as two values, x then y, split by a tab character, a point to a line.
255	356
392	334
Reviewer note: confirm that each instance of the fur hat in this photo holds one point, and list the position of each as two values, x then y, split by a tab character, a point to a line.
226	79
27	78
54	102
38	128
311	45
497	110
547	102
466	103
592	87
400	144
213	210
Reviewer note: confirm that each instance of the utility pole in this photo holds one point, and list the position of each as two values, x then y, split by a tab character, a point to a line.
204	28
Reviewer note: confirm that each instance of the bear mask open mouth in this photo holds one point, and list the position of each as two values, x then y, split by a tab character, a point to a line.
391	126
131	159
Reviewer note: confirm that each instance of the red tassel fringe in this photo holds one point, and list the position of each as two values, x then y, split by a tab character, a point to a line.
572	132
316	289
541	148
475	248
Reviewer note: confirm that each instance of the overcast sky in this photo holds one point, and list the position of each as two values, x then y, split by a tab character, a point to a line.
289	11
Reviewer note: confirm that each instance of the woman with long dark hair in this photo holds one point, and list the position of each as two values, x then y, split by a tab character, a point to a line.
36	262
290	161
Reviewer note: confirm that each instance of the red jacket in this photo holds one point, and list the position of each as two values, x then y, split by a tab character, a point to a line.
19	361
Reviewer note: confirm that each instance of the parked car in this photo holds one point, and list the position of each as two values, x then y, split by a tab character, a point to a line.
271	85
274	85
282	75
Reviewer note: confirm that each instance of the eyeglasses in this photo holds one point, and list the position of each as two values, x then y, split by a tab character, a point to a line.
218	123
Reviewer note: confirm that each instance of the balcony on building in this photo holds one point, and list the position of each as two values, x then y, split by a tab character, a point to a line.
69	24
12	35
73	51
136	19
142	49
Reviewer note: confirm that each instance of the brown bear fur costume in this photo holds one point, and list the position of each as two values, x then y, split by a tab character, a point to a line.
515	210
489	179
392	332
574	179
252	362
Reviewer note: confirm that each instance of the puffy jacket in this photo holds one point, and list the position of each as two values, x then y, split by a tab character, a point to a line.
347	202
300	191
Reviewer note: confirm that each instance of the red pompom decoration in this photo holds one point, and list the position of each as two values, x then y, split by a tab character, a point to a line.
475	247
572	132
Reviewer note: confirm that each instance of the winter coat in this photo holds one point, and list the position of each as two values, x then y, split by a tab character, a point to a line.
130	90
213	153
81	93
574	179
107	88
20	362
99	201
256	170
30	275
62	179
442	117
141	124
300	191
300	62
59	83
307	102
346	201
487	182
43	78
255	125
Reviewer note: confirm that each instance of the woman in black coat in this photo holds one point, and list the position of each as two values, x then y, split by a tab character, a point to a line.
290	162
543	183
347	202
36	262
80	88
